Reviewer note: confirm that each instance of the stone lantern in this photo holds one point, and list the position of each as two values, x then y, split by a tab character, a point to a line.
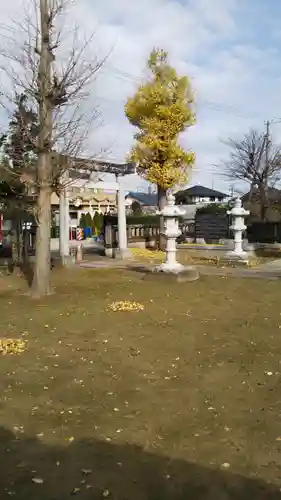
238	214
171	214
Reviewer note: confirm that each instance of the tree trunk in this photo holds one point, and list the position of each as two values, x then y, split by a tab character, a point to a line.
162	201
41	284
15	250
20	242
16	242
14	245
263	202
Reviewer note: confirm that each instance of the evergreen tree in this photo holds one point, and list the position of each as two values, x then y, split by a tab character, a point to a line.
19	144
17	169
82	221
136	208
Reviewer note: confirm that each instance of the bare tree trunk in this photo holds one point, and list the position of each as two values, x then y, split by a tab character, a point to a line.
41	284
162	200
263	202
15	245
56	95
14	250
20	242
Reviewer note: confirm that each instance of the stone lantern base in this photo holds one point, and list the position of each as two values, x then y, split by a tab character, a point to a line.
241	258
166	267
233	255
181	274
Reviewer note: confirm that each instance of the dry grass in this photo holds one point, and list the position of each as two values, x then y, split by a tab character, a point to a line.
188	257
177	401
207	257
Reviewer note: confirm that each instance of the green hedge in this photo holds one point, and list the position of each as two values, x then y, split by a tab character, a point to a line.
213	208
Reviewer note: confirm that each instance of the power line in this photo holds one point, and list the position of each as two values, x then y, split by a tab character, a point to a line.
216	106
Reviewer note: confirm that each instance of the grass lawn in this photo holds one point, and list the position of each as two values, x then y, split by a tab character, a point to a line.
195	257
179	401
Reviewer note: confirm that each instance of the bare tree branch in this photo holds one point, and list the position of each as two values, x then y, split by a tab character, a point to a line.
55	80
248	162
73	73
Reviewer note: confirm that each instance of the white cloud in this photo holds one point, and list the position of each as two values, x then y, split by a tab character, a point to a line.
235	70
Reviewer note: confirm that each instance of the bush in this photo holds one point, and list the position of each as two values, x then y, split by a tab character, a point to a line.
88	220
136	208
141	220
97	223
82	221
213	208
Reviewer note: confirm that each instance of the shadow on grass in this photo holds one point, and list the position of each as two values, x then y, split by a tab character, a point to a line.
18	270
270	253
27	269
93	469
139	268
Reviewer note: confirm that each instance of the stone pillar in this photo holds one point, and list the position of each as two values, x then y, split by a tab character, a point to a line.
79	253
122	225
108	241
64	225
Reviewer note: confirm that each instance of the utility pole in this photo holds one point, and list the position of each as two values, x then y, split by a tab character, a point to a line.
267	145
264	189
267	142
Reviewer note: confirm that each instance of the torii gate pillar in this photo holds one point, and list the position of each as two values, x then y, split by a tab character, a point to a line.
123	252
122	224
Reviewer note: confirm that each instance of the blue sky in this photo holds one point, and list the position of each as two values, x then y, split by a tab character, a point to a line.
229	48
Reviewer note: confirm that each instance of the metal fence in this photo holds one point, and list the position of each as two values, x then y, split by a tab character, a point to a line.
212	227
264	232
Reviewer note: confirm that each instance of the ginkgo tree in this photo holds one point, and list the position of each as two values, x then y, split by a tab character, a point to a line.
162	108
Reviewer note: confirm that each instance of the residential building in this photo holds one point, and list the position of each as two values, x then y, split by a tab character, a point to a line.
147	201
251	201
200	194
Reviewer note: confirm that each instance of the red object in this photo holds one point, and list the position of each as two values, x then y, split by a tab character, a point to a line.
72	234
79	234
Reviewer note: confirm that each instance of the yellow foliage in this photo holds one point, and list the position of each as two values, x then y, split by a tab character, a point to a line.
12	346
148	255
161	109
126	305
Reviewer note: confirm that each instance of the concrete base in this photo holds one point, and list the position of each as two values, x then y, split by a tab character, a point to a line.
121	254
167	268
186	274
67	260
242	259
110	252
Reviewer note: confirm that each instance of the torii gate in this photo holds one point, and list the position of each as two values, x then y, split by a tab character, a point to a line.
81	171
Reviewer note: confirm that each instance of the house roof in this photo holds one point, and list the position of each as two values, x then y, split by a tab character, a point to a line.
203	191
147	199
274	195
